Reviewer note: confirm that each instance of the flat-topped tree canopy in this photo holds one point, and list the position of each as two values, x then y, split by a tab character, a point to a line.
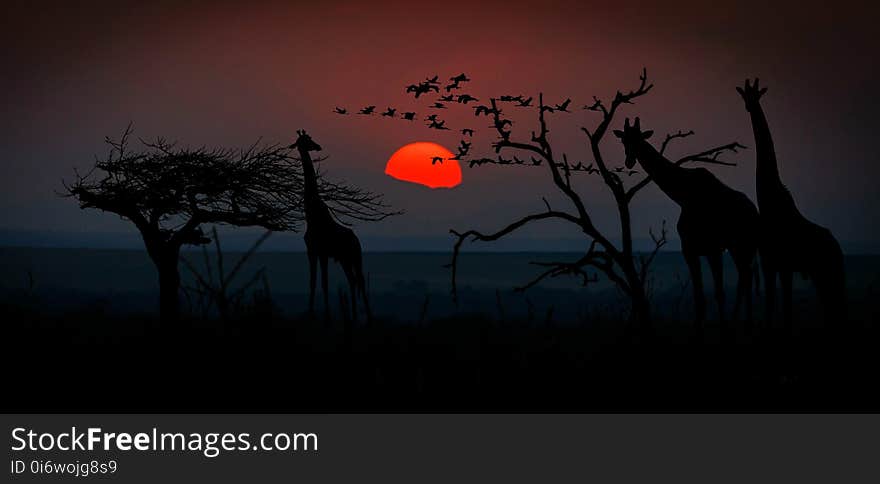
168	191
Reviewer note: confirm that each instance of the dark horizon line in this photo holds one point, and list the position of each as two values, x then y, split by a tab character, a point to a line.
291	242
190	249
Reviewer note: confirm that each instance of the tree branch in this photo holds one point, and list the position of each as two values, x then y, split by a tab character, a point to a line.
475	235
669	137
597	259
659	242
708	156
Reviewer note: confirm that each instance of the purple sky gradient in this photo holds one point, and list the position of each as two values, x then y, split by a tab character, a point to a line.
228	73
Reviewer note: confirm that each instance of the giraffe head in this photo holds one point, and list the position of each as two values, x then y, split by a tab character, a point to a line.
304	142
751	94
631	137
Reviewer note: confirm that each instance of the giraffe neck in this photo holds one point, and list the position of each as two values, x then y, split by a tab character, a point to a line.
666	174
767	181
314	206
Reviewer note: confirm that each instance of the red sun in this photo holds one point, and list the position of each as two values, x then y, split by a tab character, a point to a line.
416	163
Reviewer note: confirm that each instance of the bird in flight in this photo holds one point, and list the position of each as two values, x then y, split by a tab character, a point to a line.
414	88
422	88
481	109
339	110
439	106
435	124
510	99
456	82
437	159
408	116
463	149
524	103
564	106
467	132
368	110
389	112
466	98
448	98
499	126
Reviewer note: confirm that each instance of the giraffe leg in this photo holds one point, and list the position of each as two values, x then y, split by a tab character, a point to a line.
829	278
313	276
749	269
737	305
831	292
716	265
362	283
693	263
352	289
324	284
785	280
769	289
744	268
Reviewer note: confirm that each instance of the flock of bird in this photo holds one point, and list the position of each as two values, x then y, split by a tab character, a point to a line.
579	167
499	124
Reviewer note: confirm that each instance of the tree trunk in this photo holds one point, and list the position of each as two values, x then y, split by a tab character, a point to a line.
169	285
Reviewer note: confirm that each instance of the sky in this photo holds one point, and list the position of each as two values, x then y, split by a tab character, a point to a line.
228	73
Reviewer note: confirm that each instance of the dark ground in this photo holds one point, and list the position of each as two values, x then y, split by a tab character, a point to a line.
92	357
87	362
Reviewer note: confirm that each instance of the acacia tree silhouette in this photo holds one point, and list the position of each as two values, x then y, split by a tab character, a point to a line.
169	192
627	270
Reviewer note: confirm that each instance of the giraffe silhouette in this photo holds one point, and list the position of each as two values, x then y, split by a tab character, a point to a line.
714	218
327	238
790	242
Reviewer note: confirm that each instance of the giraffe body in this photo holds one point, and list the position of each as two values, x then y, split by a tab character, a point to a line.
327	239
790	242
714	218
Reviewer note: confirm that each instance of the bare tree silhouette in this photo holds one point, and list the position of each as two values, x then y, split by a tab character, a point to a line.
626	269
169	192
